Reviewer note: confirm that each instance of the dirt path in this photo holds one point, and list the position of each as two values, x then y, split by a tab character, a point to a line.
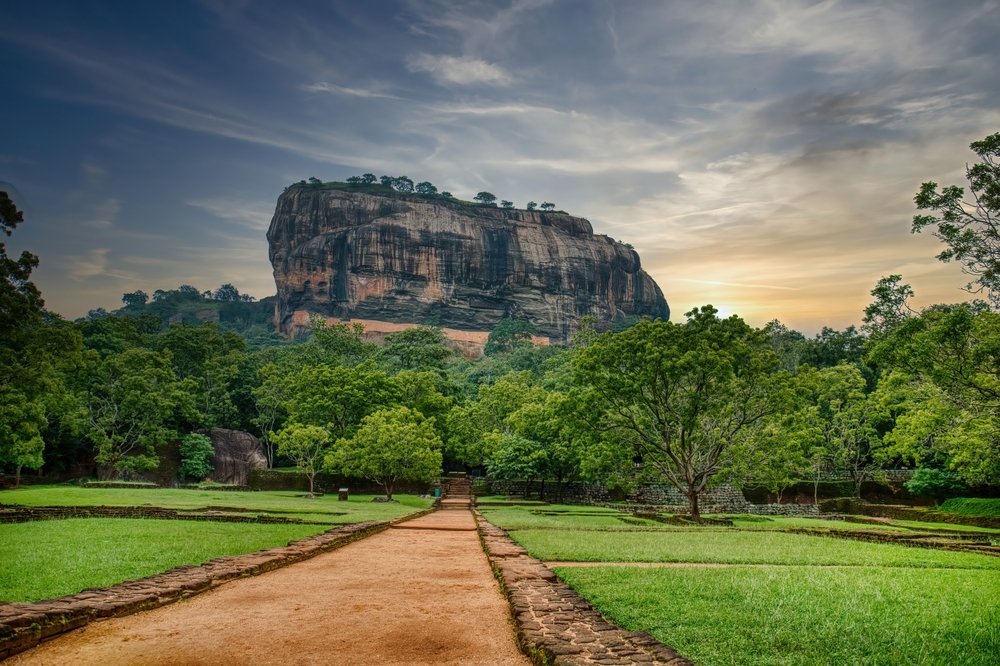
423	594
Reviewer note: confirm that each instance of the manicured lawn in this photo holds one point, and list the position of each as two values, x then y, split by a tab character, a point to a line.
773	597
52	558
280	503
727	546
556	516
805	615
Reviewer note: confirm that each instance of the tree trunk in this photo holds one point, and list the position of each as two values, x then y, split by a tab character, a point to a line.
17	477
387	485
816	491
312	477
693	504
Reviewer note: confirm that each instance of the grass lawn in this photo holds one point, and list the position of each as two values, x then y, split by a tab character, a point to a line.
972	506
805	615
728	546
290	504
52	558
557	516
778	598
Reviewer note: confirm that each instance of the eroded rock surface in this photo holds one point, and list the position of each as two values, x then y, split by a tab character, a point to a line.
365	256
236	453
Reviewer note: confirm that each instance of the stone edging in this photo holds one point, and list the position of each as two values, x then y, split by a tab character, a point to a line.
555	626
12	513
24	625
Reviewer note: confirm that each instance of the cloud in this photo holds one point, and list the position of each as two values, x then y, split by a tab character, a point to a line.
323	86
93	264
253	214
104	214
462	70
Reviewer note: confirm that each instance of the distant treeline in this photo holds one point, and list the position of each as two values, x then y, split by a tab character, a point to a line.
405	185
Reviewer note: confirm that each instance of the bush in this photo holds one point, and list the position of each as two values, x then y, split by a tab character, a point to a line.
196	457
934	483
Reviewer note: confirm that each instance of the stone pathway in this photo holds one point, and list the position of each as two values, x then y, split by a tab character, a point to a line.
419	593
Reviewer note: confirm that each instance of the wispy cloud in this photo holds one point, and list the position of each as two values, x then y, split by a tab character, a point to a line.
461	70
104	214
324	86
90	265
254	214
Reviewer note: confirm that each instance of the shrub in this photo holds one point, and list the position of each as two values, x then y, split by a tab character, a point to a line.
935	483
196	457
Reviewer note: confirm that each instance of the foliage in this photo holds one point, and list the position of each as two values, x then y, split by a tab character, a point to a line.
507	335
196	456
686	395
420	348
306	445
485	198
889	308
969	228
21	424
936	483
946	357
20	301
135	402
391	445
549	206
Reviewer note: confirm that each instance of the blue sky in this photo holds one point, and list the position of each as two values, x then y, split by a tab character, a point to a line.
761	156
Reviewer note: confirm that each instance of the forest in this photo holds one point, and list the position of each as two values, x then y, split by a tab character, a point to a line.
692	403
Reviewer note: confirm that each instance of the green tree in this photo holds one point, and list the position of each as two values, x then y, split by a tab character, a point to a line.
402	184
391	445
947	389
196	456
508	334
685	395
506	204
934	483
21	424
425	188
387	181
531	205
889	308
548	205
513	458
420	348
485	198
306	446
20	301
135	299
135	402
228	293
368	179
970	228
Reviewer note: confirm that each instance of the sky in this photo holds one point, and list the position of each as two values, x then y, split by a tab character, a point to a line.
761	155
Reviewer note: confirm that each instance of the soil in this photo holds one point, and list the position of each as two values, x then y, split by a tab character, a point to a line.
423	594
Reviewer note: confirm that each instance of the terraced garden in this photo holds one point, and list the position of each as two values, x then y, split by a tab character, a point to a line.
775	590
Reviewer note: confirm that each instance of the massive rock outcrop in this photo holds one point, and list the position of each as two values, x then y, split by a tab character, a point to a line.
365	256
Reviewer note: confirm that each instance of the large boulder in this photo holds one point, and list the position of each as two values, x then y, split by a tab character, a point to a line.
370	257
236	453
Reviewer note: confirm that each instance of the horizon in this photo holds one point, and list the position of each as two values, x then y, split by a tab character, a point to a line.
760	157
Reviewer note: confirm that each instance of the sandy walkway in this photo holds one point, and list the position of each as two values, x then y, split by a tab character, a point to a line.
421	595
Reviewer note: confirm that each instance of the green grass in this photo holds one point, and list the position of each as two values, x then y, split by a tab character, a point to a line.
728	546
52	558
786	522
289	504
954	527
805	616
557	516
972	506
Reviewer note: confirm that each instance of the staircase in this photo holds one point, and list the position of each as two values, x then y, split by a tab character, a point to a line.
456	491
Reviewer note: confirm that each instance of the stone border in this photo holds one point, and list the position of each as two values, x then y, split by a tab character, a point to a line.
25	625
555	626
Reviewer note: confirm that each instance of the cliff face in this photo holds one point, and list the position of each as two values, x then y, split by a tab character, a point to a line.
362	256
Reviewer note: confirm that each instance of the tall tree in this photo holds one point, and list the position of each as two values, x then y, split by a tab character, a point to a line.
969	227
391	445
306	446
485	198
686	395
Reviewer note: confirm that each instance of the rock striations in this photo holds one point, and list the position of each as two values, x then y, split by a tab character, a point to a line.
397	259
